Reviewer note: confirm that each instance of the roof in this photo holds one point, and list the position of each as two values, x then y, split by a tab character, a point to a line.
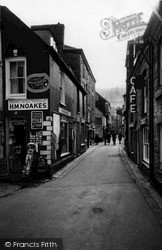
81	52
32	35
155	22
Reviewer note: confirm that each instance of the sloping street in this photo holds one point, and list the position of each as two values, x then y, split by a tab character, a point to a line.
94	205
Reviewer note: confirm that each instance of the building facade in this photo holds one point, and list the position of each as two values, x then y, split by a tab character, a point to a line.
143	99
40	97
78	64
103	119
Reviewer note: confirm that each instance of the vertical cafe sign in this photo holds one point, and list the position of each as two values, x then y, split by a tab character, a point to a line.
132	96
123	28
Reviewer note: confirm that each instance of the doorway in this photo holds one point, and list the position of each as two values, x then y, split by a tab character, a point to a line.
19	145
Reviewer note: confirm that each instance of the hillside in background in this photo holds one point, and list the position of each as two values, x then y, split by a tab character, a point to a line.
113	95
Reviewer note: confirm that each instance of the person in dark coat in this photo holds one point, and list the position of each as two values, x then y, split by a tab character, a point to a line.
96	139
114	138
104	136
120	138
108	138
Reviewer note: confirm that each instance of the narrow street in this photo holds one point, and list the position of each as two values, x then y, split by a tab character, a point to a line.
96	205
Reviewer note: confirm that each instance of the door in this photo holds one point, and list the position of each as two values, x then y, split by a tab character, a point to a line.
19	145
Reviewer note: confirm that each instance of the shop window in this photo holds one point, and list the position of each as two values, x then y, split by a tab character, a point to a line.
82	133
62	89
16	78
64	136
146	148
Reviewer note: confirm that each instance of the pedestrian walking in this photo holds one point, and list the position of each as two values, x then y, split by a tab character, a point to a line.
96	139
108	138
114	138
104	136
120	138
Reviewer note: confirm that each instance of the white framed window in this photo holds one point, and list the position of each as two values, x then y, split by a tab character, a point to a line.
16	77
62	89
146	147
53	43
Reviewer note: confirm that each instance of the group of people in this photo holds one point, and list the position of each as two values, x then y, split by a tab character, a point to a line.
113	135
108	136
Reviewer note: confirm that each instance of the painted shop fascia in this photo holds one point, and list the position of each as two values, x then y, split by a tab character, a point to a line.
30	108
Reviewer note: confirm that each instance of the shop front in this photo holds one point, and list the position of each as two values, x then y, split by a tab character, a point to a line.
24	124
66	140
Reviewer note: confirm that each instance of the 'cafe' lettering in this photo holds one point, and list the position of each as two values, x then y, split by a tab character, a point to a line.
132	97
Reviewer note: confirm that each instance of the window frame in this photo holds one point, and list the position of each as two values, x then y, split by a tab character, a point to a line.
160	63
62	88
9	95
146	145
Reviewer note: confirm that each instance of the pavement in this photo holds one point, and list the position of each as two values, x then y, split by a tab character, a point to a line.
153	198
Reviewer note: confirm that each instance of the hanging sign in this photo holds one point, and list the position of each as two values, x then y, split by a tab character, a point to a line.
138	81
38	82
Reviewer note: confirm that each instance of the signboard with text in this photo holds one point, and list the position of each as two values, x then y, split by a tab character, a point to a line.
28	104
36	119
132	97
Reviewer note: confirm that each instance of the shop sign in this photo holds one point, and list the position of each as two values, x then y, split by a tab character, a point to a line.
38	82
132	97
29	104
64	112
37	119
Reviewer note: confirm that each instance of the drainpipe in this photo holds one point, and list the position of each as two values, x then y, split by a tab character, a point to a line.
151	113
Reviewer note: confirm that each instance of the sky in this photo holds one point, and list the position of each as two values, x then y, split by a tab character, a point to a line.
82	20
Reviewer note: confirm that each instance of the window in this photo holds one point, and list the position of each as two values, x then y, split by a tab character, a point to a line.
145	100
64	135
78	101
83	104
82	133
53	43
16	78
161	64
62	89
146	144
